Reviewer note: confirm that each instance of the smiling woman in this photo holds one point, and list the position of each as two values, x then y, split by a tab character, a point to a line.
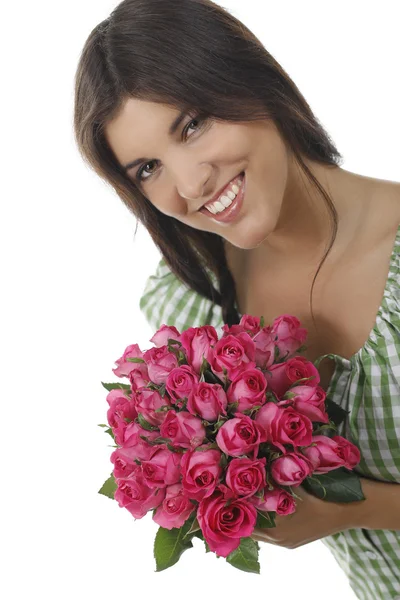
131	78
211	145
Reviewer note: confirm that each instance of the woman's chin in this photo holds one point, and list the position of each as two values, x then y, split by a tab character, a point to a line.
247	240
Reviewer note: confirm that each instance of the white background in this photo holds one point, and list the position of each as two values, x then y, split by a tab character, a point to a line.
72	275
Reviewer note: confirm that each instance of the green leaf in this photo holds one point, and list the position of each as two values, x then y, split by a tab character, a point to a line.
232	406
323	429
145	424
157	387
102	425
340	485
262	321
116	386
159	440
110	432
164	408
252	411
172	342
214	427
108	488
169	544
135	360
175	449
210	377
199	534
270	395
205	365
301	349
194	528
223	461
265	520
182	358
245	557
302	381
205	447
336	413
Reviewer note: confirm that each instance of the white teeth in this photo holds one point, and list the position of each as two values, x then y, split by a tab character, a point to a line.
227	201
219	206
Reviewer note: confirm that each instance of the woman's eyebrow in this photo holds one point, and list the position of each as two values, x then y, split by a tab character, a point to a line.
172	129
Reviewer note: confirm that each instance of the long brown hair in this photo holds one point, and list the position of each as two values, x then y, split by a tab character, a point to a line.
192	55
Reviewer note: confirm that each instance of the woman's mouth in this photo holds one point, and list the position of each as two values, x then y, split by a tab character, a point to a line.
228	205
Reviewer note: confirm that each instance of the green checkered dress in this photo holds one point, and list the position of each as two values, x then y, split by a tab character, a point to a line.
367	385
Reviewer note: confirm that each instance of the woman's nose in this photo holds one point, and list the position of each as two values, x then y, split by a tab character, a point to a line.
191	182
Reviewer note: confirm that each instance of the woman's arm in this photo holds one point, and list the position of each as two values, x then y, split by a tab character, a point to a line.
315	519
381	507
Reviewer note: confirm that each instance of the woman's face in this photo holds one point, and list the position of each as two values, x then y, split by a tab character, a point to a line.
179	172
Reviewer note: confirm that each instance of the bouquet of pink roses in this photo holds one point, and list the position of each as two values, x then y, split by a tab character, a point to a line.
212	435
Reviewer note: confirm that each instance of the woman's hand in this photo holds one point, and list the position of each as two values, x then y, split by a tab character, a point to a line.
312	520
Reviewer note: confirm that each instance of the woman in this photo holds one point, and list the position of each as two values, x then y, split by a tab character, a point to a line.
213	148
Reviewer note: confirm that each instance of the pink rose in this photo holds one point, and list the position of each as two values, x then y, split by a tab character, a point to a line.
264	342
162	469
147	401
248	389
232	330
307	400
183	429
121	409
284	426
180	383
162	335
123	465
276	500
248	324
201	471
133	444
224	520
245	477
208	400
124	366
138	378
160	363
291	469
324	455
175	509
136	496
233	353
197	343
327	454
240	436
347	451
283	375
290	334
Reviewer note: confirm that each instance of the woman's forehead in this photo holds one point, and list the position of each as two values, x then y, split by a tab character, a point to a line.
140	122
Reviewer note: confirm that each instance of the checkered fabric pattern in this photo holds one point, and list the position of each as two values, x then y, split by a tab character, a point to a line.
367	385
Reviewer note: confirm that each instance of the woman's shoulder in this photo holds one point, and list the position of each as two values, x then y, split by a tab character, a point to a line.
166	300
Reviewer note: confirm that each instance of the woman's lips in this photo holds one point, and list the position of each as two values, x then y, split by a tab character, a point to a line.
229	214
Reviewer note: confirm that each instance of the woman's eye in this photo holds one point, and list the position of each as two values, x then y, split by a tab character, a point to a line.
142	170
194	120
139	174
